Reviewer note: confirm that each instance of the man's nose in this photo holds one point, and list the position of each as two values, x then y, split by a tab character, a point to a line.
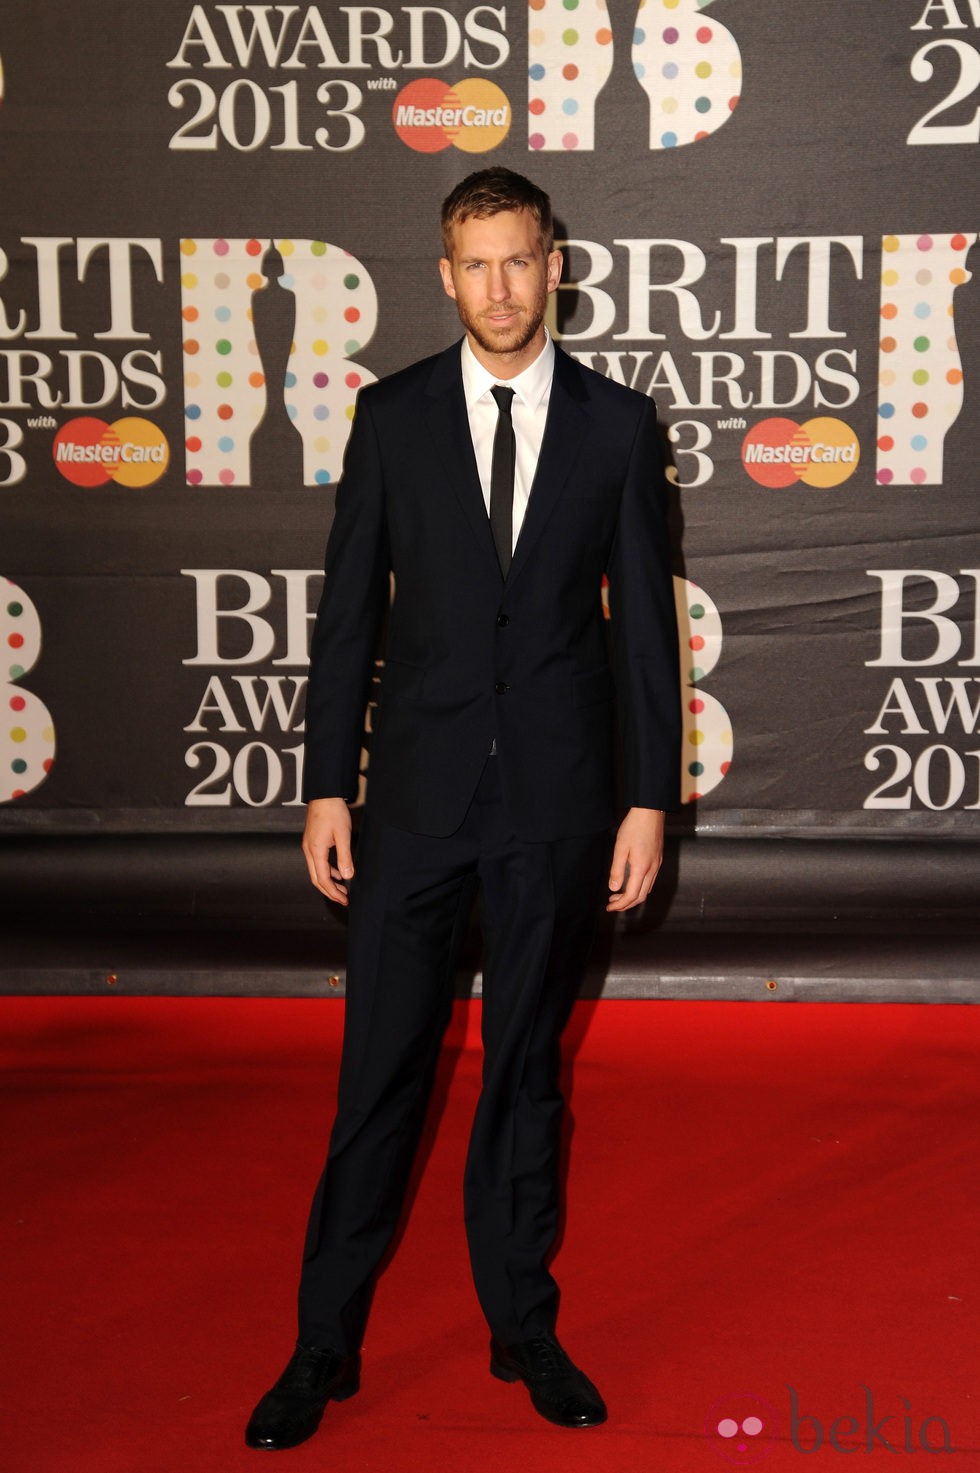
497	285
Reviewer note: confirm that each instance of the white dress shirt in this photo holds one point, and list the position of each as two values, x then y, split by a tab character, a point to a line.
529	410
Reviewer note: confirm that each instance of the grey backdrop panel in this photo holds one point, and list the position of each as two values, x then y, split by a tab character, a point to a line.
220	221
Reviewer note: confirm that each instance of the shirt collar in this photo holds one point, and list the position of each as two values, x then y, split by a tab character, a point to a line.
530	386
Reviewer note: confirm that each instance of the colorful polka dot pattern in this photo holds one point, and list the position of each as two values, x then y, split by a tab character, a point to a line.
26	729
224	386
707	731
920	377
336	314
570	58
690	67
225	389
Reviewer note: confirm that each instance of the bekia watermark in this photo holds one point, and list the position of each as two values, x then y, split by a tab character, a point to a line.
744	1427
931	1436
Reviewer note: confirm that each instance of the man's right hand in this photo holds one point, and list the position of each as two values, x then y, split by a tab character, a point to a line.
328	826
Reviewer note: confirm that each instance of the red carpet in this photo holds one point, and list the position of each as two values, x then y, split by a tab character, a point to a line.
762	1197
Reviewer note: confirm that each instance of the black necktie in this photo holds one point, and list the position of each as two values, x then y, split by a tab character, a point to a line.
502	478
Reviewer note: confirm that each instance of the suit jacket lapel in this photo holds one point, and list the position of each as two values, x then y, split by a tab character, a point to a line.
564	428
449	425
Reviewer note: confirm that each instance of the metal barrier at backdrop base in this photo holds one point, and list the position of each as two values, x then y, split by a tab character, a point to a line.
739	918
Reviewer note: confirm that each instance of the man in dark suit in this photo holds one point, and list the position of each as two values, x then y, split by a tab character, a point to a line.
497	482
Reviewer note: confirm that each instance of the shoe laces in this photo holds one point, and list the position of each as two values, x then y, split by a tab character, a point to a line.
545	1356
307	1367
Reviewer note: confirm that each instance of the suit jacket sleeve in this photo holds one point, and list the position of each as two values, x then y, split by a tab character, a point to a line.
348	621
644	630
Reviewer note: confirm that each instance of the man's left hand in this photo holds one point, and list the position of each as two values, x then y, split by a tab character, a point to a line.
636	858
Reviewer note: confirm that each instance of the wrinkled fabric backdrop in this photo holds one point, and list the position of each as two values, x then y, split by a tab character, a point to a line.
220	220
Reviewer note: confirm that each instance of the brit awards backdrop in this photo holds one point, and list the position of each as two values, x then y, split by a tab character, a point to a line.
220	220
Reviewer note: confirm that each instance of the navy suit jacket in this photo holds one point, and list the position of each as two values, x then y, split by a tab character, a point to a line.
471	655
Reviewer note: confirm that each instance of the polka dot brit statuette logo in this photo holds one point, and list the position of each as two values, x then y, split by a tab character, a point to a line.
226	394
707	728
26	730
920	378
473	116
707	741
686	62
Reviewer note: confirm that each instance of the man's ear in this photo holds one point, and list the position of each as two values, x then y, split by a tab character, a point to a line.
446	272
555	262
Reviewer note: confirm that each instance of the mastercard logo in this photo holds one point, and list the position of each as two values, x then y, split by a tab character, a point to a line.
822	452
131	452
474	115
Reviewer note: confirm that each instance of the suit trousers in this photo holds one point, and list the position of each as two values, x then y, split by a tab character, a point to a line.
409	905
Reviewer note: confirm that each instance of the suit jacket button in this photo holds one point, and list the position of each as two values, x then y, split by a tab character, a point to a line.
502	621
501	687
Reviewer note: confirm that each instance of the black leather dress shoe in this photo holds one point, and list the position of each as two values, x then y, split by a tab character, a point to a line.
290	1413
559	1390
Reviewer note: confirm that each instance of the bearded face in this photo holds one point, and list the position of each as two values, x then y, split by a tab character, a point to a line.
500	277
